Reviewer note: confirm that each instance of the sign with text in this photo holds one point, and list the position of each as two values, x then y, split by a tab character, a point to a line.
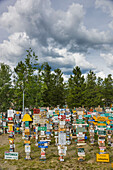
11	155
102	157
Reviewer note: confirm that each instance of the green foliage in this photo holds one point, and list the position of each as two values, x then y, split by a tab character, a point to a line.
45	87
108	90
5	87
76	89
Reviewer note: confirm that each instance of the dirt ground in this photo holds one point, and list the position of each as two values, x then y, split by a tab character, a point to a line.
52	162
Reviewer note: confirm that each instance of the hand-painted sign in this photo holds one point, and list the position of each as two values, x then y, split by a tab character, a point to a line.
42	128
11	155
102	157
36	111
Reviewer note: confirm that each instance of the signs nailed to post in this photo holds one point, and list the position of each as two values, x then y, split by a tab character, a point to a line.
102	157
11	155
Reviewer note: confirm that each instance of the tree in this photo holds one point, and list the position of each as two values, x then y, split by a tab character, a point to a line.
108	90
25	80
99	92
76	89
47	80
58	93
5	87
90	94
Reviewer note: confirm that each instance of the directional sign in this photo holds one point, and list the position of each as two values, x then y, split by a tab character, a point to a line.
102	157
62	138
11	155
36	111
42	128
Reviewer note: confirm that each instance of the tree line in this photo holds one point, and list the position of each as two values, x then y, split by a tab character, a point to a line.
44	87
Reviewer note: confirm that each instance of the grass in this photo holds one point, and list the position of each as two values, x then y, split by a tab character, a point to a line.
52	162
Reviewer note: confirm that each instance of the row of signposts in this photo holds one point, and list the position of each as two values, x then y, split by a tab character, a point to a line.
64	125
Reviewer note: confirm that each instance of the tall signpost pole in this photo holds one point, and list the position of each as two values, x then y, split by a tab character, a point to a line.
23	101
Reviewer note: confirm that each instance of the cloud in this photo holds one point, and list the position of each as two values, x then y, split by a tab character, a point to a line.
107	7
13	50
108	58
58	37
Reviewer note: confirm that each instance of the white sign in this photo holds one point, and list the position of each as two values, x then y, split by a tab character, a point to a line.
62	122
10	113
27	148
11	155
62	138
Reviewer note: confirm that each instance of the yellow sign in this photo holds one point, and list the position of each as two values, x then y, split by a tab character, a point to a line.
74	111
112	165
95	123
94	117
108	122
101	124
10	128
102	157
26	118
101	118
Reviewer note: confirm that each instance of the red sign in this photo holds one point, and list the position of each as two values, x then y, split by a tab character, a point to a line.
67	120
36	111
62	117
10	118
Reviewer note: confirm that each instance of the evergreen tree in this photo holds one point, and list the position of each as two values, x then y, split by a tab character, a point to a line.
5	87
58	93
108	90
99	92
90	94
76	89
25	80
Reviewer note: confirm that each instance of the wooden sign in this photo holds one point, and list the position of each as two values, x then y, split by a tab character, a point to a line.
102	119
11	155
42	128
36	111
62	138
102	157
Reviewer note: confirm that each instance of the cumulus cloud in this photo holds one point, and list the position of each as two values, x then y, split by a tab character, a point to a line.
14	49
107	7
58	37
108	58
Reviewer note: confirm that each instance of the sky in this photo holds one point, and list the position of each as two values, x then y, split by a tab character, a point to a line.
64	33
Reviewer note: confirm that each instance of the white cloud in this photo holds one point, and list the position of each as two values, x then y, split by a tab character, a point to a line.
107	7
108	58
101	74
58	37
14	49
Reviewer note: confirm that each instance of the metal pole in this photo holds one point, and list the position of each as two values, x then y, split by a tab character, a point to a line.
23	101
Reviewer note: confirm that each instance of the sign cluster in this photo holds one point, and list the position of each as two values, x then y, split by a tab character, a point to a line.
64	126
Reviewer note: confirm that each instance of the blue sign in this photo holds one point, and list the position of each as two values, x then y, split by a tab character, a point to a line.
42	142
42	146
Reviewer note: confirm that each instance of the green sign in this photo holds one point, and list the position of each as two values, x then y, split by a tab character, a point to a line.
11	155
110	118
87	115
101	132
80	121
82	129
42	128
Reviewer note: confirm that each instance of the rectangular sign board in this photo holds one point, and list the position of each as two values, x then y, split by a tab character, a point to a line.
11	155
102	157
42	128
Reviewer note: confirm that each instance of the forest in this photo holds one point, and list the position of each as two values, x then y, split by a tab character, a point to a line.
43	87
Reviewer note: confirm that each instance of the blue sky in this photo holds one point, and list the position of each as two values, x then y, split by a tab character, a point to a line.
64	33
